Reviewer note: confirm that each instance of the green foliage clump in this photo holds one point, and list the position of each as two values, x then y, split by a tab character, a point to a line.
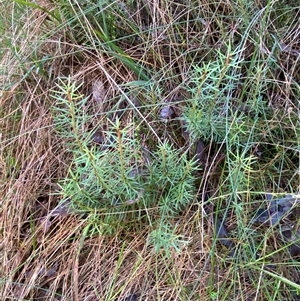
121	181
211	86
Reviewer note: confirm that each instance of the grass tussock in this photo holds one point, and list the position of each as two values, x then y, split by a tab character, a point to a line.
129	130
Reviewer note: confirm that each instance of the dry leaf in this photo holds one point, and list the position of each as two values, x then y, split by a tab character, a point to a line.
98	91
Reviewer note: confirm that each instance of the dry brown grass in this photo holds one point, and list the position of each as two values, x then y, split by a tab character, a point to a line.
46	257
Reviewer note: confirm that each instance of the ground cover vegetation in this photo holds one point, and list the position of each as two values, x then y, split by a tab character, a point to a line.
143	145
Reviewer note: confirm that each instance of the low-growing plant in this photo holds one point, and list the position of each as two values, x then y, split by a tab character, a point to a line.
221	78
121	181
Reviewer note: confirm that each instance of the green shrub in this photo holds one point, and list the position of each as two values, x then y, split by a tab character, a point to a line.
120	181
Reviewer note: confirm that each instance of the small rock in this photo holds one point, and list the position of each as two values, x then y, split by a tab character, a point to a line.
98	138
166	113
294	250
